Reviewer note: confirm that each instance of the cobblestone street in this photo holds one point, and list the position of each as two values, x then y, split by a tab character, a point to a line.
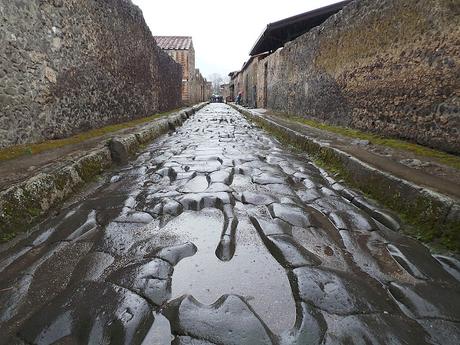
219	234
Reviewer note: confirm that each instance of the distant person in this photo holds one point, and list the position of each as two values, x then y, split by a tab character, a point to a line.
238	98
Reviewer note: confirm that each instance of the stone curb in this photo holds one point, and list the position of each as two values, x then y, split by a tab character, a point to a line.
27	202
434	214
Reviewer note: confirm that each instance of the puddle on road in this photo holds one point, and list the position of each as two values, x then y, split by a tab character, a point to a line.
252	273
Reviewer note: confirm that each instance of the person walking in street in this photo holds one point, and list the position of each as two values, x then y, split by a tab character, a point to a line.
238	98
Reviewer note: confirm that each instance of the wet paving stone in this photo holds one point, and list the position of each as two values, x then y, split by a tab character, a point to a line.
110	314
337	293
229	320
151	280
216	234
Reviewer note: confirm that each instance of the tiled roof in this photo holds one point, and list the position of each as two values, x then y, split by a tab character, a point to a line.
174	42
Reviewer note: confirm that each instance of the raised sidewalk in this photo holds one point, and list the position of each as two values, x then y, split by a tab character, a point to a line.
422	191
31	186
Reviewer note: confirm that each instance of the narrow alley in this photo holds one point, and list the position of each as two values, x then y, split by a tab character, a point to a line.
219	234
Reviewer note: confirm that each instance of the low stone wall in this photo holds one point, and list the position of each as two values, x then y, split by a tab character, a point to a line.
391	67
25	203
67	66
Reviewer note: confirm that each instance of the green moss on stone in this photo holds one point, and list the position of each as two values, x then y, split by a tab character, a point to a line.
62	179
89	167
440	156
23	206
5	237
30	149
17	212
423	218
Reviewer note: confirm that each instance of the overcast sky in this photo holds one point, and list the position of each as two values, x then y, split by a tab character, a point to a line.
223	31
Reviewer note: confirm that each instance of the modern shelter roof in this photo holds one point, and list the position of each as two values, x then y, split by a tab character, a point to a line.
278	33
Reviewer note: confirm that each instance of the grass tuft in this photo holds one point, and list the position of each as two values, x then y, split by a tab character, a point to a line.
440	156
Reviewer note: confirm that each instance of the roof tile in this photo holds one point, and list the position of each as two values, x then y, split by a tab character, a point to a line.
174	42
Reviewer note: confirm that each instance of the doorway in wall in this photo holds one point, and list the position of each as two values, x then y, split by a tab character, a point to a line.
265	85
246	89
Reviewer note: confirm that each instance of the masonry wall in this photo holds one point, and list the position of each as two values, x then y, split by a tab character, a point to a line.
250	84
193	83
169	83
182	57
71	65
198	85
389	66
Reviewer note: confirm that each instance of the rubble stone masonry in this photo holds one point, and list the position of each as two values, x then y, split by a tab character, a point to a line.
67	66
391	67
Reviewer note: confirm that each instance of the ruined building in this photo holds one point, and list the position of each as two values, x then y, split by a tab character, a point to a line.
180	48
388	67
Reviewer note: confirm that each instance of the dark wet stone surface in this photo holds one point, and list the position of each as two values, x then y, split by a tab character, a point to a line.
337	293
428	300
149	279
175	254
109	313
218	235
229	320
289	253
374	329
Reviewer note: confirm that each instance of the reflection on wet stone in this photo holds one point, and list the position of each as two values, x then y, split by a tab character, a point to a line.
217	234
108	312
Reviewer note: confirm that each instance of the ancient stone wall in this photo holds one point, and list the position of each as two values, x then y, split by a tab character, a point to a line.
170	83
198	85
390	67
71	65
237	84
246	82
